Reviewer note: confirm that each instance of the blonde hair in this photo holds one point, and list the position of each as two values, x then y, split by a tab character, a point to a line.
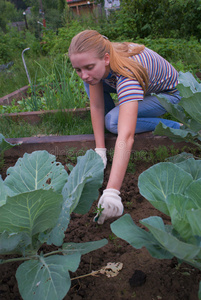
120	53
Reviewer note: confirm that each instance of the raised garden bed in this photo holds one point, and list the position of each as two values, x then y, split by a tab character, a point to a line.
33	117
62	145
17	95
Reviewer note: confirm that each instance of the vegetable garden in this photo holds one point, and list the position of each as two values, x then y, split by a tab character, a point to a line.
48	233
50	248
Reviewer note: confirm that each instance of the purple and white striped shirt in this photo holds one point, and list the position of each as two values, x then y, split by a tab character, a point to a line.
162	78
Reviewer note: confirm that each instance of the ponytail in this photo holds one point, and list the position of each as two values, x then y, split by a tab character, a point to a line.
120	54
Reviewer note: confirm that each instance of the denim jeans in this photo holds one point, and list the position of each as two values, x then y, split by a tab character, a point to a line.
148	111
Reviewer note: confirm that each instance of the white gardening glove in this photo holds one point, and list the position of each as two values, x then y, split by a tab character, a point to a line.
102	153
110	202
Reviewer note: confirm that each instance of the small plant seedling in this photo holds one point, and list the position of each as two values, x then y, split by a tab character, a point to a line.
112	237
129	204
131	167
98	212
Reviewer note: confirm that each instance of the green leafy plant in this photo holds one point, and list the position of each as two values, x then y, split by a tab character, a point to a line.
98	211
175	190
37	198
188	112
61	87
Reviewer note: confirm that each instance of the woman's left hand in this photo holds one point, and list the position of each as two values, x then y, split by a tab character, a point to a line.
111	204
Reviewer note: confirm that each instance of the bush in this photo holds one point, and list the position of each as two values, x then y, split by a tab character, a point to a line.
162	18
59	43
14	42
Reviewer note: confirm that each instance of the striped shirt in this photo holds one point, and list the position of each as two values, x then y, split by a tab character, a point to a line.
162	78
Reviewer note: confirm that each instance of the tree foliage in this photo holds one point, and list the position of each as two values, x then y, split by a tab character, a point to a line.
165	18
8	13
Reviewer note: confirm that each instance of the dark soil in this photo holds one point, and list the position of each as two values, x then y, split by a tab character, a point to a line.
142	277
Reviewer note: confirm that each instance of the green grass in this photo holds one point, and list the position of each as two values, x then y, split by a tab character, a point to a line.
58	124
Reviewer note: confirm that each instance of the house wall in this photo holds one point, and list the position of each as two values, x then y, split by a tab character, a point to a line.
81	7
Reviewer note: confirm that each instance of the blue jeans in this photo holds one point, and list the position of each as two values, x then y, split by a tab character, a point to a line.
148	111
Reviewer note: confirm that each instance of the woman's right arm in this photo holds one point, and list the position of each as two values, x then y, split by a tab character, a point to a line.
98	113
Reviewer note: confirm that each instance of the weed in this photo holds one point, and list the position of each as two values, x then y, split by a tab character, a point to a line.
115	240
131	167
129	204
153	156
73	153
112	237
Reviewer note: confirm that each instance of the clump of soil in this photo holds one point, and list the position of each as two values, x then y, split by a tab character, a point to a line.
142	277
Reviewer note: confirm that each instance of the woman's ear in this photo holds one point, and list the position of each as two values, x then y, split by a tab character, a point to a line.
107	59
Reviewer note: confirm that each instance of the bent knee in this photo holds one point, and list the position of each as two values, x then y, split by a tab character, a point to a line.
111	122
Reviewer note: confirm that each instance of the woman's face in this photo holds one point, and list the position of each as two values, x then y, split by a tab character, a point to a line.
90	68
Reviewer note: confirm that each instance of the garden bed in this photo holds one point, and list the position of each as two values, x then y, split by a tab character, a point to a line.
162	279
35	117
17	95
65	145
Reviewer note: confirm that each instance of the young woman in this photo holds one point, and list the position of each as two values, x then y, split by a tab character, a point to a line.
133	72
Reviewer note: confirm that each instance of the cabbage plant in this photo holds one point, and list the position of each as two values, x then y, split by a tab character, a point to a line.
36	200
187	112
175	190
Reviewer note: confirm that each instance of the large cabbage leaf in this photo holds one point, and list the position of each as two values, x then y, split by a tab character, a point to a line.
36	200
35	171
188	85
162	179
159	241
187	111
3	192
79	192
137	237
4	145
31	212
13	243
174	189
47	278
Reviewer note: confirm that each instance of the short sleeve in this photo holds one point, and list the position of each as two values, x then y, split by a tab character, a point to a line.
129	90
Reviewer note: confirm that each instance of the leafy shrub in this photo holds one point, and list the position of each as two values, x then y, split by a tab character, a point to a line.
175	50
160	18
36	200
14	42
175	190
59	43
8	13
